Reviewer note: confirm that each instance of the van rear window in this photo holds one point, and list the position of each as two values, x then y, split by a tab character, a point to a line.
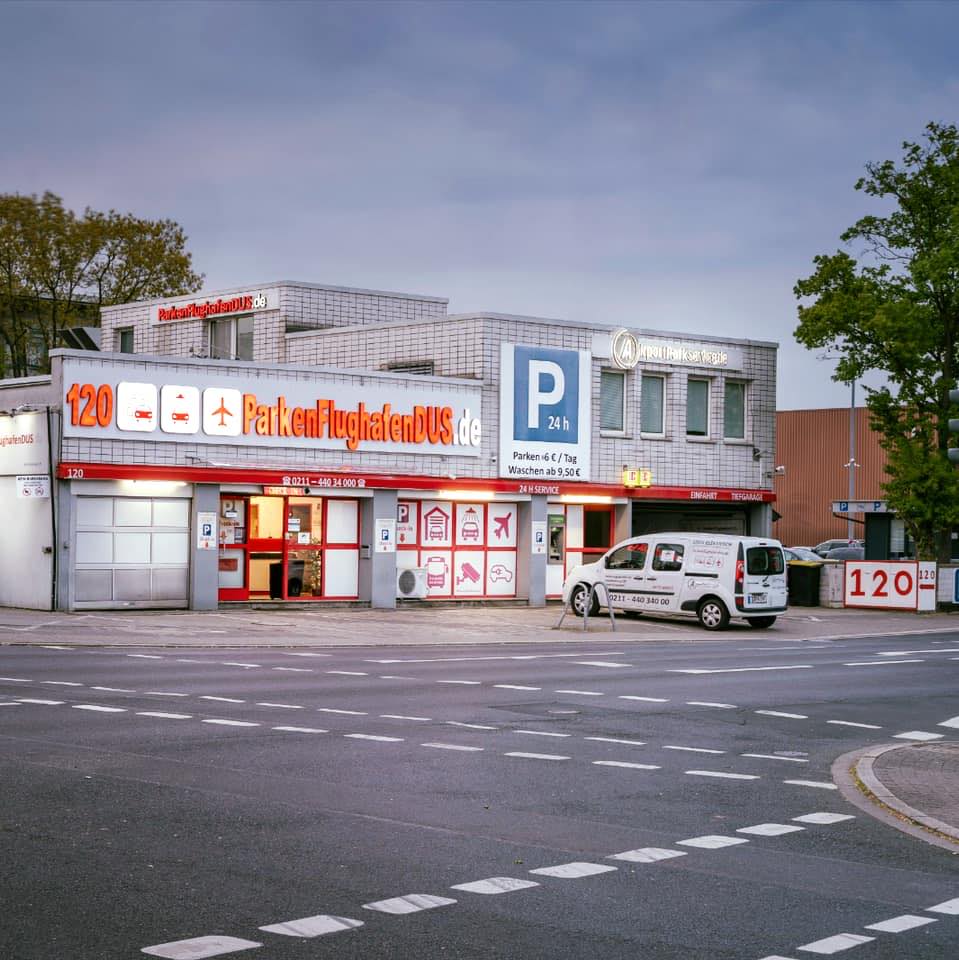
762	561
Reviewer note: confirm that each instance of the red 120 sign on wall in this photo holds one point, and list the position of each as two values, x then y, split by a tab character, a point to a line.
886	584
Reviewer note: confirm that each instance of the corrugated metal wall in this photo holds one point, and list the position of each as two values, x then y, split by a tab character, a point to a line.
813	445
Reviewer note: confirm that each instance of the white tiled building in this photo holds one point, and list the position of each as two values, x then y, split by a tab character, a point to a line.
594	435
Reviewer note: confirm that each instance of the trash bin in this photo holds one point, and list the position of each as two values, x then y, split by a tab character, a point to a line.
294	582
804	583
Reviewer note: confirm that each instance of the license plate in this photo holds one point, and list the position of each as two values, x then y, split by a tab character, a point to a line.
758	597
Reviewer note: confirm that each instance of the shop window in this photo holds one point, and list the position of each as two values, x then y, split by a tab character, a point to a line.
597	529
612	398
651	416
734	410
266	518
304	521
125	340
232	339
697	408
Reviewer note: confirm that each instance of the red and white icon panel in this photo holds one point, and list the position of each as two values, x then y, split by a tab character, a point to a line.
136	407
222	412
179	409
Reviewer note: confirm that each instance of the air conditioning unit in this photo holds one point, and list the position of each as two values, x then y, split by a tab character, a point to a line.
411	583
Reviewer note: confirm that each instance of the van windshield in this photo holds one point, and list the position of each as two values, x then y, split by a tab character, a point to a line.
762	561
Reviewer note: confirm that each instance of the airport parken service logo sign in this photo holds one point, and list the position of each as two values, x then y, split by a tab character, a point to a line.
624	349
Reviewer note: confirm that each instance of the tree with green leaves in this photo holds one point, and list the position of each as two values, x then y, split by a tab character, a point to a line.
57	269
896	311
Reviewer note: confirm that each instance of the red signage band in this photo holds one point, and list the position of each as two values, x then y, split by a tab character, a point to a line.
208	308
318	481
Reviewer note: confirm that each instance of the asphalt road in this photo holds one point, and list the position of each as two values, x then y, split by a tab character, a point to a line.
557	800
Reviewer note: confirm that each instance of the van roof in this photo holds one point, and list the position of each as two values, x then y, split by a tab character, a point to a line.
720	537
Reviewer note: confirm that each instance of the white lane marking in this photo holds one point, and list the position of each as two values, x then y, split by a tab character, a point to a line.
318	926
231	723
164	716
279	706
950	907
725	776
452	746
824	817
647	855
600	663
188	660
849	723
542	733
388	676
692	749
770	829
113	689
302	729
144	656
221	699
16	679
842	941
779	713
295	669
163	693
912	653
10	703
581	693
776	956
399	716
348	673
62	683
411	903
371	736
495	885
627	696
629	743
795	666
712	842
624	763
710	703
899	924
573	871
811	783
307	654
471	726
514	686
951	722
918	735
236	663
96	707
53	646
45	703
535	756
349	713
879	663
770	756
463	683
198	948
533	656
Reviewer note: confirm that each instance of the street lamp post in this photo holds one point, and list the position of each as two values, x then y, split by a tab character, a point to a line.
851	466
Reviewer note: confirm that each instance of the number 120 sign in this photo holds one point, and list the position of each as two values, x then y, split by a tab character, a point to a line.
898	585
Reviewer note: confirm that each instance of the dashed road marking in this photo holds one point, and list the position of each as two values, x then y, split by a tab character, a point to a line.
301	729
62	683
221	699
647	855
411	903
952	722
811	783
600	663
164	716
462	683
199	948
721	775
771	756
16	680
824	818
625	763
318	926
495	885
231	723
573	871
629	743
397	716
779	713
918	735
535	756
841	941
581	693
770	829
280	706
795	666
237	663
669	746
97	708
710	703
163	693
370	736
849	723
712	842
348	713
470	726
514	686
144	656
348	673
950	907
113	689
45	703
878	663
453	746
295	669
542	733
627	696
900	924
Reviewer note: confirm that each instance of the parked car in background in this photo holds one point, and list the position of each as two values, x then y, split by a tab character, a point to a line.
826	545
846	553
801	553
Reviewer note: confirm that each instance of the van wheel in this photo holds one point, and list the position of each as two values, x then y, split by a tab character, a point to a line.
580	599
713	614
760	623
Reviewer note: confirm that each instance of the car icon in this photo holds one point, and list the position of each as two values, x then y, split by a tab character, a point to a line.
498	572
470	531
180	416
143	414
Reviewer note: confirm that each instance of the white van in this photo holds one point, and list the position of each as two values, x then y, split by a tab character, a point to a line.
711	576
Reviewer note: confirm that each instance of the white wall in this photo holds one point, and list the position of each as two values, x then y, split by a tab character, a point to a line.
25	570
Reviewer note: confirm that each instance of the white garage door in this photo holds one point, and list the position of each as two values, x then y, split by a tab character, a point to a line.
132	552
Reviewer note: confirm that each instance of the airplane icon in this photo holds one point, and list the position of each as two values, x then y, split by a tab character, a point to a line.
221	412
502	526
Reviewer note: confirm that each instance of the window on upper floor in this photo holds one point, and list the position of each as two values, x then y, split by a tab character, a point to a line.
697	408
734	410
232	338
125	340
612	400
652	405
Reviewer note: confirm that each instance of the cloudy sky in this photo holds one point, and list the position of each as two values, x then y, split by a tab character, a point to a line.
673	166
